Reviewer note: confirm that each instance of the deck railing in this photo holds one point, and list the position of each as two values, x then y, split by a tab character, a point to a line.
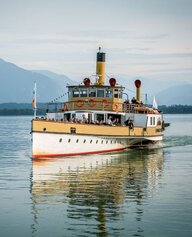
103	105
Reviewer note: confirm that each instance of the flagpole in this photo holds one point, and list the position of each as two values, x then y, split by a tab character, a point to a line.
35	99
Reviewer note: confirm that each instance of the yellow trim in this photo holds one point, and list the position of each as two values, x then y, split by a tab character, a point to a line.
90	129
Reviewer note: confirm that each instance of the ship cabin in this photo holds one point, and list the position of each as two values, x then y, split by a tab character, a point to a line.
92	104
99	103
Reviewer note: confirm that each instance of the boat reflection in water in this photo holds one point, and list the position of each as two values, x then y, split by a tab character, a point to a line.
102	195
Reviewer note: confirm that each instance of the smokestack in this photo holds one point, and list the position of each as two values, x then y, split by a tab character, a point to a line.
138	90
100	67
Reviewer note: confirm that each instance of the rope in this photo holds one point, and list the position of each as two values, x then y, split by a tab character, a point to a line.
56	99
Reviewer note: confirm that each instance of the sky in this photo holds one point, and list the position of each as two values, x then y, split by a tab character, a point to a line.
141	38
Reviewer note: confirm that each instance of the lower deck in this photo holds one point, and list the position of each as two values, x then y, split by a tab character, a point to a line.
61	127
51	138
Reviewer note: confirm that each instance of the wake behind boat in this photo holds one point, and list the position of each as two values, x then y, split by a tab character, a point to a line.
96	119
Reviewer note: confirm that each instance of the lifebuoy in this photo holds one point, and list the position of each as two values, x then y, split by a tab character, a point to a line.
79	103
92	102
104	103
115	107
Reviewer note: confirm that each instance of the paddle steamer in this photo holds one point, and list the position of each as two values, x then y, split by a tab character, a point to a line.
96	119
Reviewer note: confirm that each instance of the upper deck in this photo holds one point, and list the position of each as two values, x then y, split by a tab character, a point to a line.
95	97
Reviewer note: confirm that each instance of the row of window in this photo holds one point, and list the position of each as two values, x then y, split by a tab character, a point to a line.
95	92
96	142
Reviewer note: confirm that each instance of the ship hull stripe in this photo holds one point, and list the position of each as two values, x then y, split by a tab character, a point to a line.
78	153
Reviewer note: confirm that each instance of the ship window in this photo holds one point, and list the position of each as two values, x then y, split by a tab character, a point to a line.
70	94
151	120
116	91
77	140
75	93
84	141
111	141
91	141
106	142
69	140
100	92
120	94
92	92
100	117
83	93
96	141
102	142
108	93
60	140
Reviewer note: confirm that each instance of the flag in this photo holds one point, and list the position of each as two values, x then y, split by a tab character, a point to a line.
33	102
155	106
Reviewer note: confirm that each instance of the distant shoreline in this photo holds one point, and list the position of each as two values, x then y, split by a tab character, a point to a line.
20	109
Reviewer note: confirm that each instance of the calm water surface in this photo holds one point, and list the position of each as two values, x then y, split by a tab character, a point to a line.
134	193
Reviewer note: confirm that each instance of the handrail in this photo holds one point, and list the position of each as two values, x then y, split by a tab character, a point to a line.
103	104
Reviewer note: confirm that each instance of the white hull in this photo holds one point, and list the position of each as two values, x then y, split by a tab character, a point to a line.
53	144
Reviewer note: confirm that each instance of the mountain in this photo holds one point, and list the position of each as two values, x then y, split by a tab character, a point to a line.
62	80
181	94
168	92
16	84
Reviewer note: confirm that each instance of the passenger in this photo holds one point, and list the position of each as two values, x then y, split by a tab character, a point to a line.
116	122
74	119
65	120
130	124
97	122
85	120
133	101
109	121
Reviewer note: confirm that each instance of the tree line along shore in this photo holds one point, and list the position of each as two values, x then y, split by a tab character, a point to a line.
11	109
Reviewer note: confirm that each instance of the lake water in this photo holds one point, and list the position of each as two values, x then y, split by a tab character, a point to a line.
134	193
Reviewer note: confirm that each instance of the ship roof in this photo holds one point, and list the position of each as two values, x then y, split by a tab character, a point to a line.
96	86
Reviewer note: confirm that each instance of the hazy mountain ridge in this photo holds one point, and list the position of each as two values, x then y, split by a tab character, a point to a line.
16	85
176	95
62	80
166	93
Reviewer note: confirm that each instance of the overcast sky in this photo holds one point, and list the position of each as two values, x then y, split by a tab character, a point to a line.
150	38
